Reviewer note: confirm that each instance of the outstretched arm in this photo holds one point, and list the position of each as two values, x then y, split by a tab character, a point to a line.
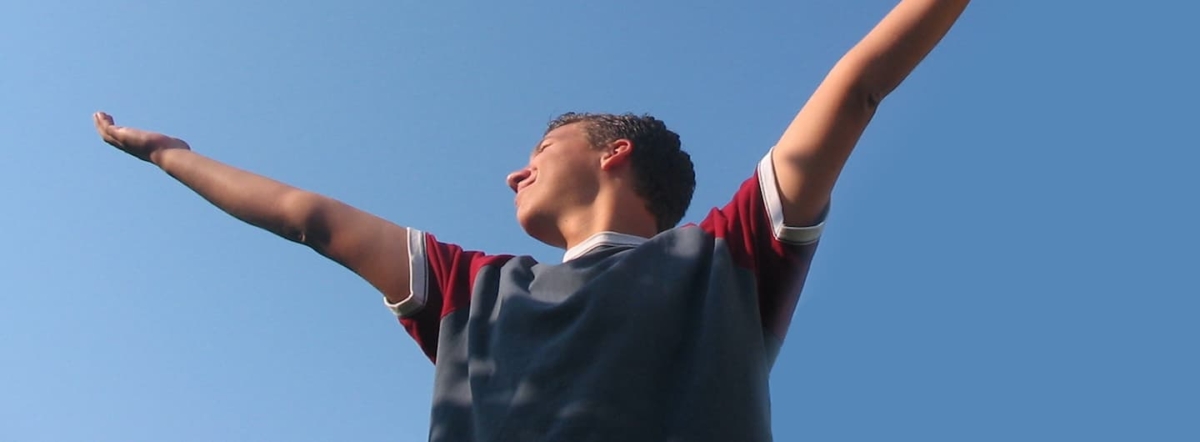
372	247
814	148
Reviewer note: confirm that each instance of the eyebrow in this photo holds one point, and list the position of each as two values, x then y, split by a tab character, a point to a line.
538	146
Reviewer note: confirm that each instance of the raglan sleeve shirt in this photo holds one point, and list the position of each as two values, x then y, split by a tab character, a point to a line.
750	227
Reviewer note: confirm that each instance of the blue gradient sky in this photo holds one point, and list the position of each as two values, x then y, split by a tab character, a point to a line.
1011	254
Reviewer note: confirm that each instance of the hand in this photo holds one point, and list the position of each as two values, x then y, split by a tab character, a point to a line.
139	143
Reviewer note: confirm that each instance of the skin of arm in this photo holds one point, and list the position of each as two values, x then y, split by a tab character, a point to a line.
815	147
375	249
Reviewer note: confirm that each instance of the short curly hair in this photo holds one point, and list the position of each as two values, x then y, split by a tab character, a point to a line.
663	173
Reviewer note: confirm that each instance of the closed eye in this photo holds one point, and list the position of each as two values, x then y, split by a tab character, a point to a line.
539	149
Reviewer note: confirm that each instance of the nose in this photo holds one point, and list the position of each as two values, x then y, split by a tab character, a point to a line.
514	179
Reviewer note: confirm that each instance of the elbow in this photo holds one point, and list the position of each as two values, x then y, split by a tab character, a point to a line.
305	218
865	85
868	93
872	97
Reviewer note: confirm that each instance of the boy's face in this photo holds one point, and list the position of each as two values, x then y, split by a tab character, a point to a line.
562	177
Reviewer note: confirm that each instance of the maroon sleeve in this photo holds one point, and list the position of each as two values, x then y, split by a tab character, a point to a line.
441	277
752	227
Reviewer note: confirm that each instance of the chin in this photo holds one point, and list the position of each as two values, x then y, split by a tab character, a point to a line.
541	227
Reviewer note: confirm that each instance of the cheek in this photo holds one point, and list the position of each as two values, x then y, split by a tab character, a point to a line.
578	173
565	178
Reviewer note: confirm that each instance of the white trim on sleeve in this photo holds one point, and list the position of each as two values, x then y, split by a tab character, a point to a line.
416	277
770	191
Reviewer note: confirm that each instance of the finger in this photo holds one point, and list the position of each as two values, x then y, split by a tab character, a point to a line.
102	119
99	120
104	126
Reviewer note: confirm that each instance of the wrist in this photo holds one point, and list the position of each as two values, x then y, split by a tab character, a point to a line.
163	158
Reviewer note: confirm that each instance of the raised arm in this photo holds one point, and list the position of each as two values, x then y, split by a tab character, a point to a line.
372	247
814	148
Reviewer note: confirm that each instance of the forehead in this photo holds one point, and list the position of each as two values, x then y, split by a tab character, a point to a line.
567	132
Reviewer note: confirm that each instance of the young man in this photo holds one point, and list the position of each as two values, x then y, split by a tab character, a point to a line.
645	331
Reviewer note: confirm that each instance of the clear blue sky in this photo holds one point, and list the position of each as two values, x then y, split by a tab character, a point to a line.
1011	254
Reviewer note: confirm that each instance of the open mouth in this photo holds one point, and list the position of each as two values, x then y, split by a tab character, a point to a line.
523	184
520	187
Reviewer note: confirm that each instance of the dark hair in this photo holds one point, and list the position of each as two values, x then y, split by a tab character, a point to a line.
663	173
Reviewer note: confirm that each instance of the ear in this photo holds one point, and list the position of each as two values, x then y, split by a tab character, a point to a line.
618	154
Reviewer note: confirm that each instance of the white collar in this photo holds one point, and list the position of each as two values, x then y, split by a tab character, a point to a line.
602	239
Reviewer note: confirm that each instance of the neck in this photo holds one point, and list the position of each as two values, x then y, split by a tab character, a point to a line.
625	215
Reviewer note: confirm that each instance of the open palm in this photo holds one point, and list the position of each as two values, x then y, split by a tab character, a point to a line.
136	142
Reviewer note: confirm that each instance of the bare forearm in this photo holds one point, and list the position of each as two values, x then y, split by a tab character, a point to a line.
885	57
255	199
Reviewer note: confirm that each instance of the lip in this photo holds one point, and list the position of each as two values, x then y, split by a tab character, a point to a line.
520	187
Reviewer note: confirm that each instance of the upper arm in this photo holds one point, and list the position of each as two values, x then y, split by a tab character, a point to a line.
422	279
372	247
813	150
